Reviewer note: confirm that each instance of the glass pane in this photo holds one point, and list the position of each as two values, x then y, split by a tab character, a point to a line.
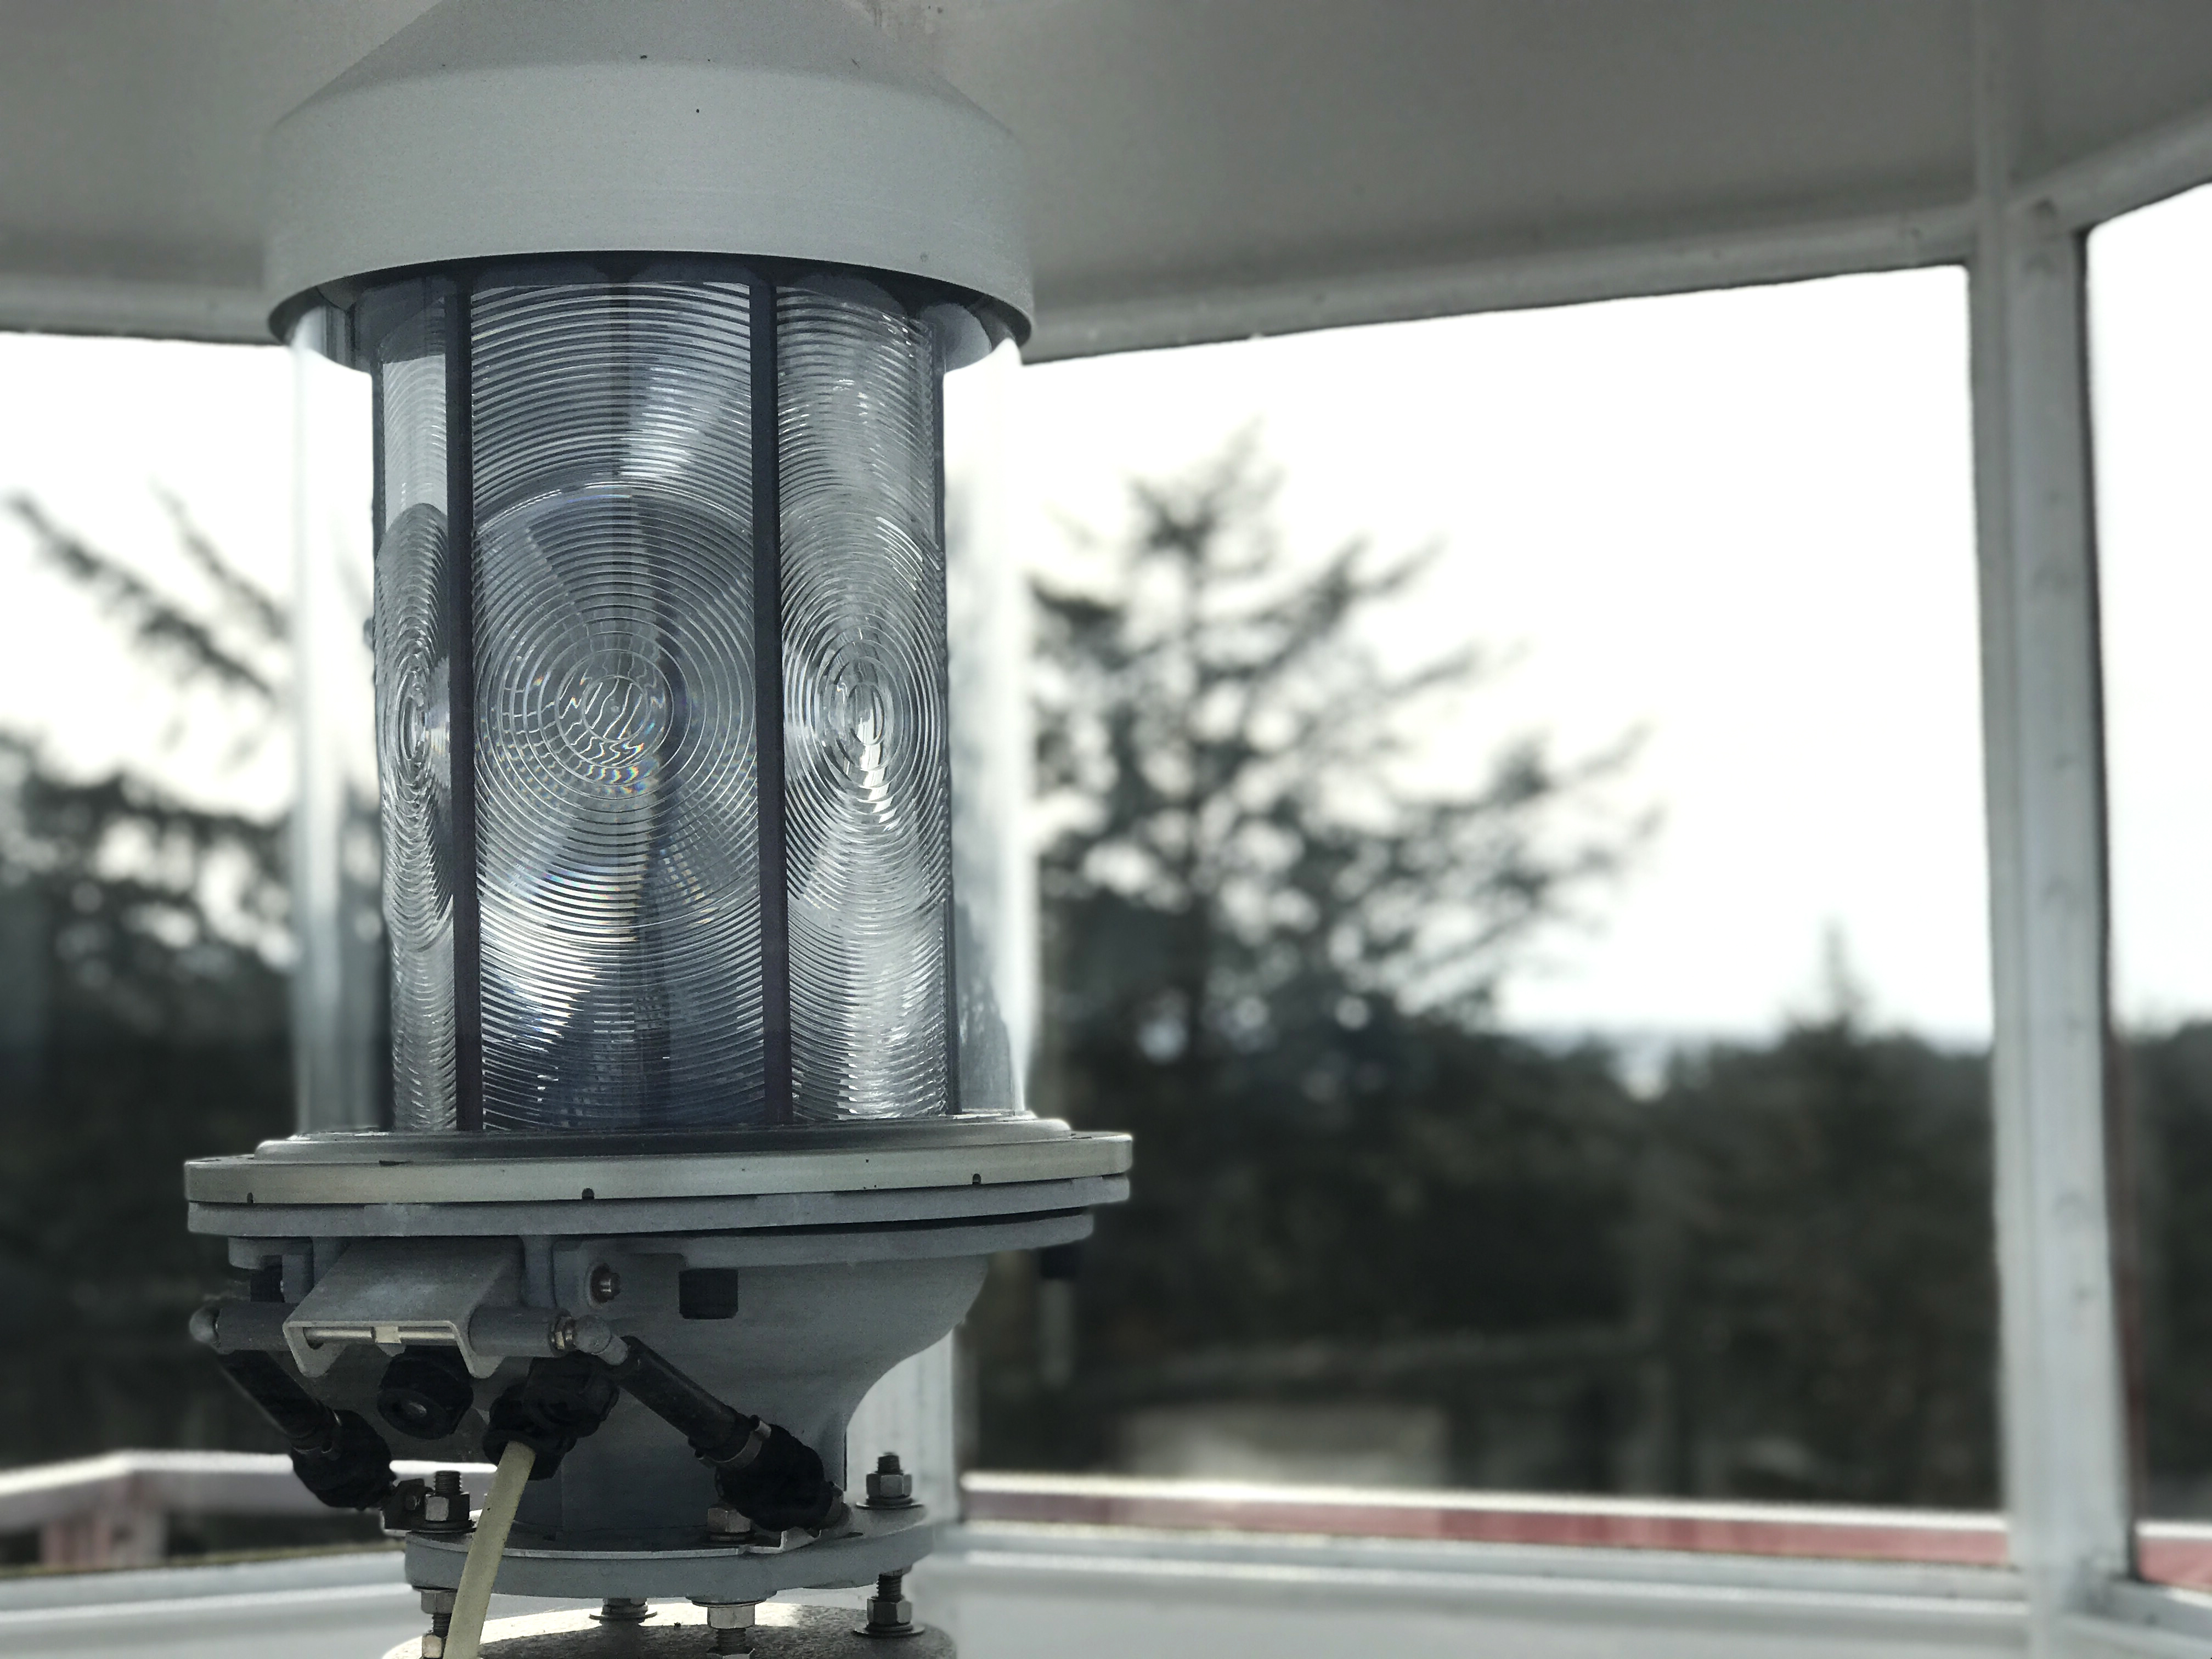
146	775
403	332
994	879
341	978
1509	793
2151	354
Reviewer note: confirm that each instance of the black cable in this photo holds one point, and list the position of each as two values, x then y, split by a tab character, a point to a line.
336	1456
767	1473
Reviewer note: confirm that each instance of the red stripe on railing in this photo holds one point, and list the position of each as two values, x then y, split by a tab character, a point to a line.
1945	1537
2177	1552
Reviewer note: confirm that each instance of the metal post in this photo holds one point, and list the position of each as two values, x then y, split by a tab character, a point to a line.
2067	1471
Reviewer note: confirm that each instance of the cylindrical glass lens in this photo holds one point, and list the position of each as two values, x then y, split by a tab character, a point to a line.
580	617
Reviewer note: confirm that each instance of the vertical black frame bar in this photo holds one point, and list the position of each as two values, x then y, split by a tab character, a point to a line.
461	704
767	708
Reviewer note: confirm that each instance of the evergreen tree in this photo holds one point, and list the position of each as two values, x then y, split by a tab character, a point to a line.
1269	955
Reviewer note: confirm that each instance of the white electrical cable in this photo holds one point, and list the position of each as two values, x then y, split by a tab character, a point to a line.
465	1631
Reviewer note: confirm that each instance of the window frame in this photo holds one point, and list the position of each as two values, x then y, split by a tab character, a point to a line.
2070	1512
2072	1584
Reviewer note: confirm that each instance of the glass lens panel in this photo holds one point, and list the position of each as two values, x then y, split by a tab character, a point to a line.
617	795
403	332
865	727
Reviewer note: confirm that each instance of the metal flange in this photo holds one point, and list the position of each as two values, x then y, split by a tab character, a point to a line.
883	1541
504	1169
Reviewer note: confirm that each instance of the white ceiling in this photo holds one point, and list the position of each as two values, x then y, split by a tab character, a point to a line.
1199	167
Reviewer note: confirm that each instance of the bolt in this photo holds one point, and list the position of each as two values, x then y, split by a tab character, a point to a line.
587	1334
890	1614
446	1505
723	1522
605	1285
732	1624
890	1486
623	1610
439	1604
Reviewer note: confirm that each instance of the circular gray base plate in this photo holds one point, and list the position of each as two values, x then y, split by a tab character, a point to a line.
679	1632
886	1540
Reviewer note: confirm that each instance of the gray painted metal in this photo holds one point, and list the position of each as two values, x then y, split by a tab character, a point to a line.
369	1174
885	1540
916	1209
787	129
1201	172
437	1287
2066	1463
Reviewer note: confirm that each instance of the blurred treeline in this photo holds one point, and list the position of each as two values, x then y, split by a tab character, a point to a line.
1270	955
142	1015
1273	959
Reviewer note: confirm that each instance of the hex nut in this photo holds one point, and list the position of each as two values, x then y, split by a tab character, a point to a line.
437	1509
724	1522
890	1485
435	1601
730	1615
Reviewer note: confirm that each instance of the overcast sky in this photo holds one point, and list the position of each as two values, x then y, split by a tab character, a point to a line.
1741	522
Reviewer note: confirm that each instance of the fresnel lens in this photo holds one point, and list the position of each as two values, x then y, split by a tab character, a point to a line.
652	304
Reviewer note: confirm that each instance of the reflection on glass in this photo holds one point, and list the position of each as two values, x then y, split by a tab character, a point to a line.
865	758
413	740
615	788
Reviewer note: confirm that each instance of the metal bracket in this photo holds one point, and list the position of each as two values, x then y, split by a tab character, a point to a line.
392	1292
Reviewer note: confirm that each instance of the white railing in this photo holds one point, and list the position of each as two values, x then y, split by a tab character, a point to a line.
114	1511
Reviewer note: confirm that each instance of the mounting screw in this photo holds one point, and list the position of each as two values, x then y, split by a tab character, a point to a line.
890	1614
604	1287
623	1610
890	1486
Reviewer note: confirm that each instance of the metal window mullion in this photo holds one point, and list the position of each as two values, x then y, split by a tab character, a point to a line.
2068	1495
